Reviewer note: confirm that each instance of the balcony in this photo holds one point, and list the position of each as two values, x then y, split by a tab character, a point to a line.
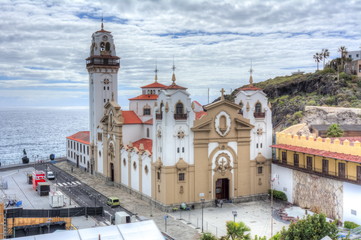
259	114
180	116
103	61
159	116
320	172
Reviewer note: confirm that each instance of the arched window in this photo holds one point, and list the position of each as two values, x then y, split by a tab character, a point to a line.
258	108
107	46
179	108
146	110
161	106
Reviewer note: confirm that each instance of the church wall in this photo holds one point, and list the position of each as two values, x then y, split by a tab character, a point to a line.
351	202
132	133
138	105
147	176
124	166
283	180
134	172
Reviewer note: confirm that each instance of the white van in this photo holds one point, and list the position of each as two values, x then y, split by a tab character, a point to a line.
50	175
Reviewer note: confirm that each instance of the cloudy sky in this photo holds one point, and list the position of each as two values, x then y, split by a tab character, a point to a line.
44	44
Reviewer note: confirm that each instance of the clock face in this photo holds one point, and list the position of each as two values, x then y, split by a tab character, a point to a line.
105	38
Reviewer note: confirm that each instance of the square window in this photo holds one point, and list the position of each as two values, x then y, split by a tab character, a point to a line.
260	170
146	111
353	212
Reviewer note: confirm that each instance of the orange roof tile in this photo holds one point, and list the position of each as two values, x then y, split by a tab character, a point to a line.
130	117
322	153
147	143
200	114
150	121
145	97
82	137
196	102
250	88
154	85
175	86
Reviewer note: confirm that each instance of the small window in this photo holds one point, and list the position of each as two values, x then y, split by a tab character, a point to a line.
134	165
146	170
147	132
179	108
87	150
257	145
296	160
104	87
261	145
177	150
260	170
146	111
100	137
104	99
183	149
258	108
100	153
107	46
124	162
107	88
353	212
181	176
158	175
309	163
284	157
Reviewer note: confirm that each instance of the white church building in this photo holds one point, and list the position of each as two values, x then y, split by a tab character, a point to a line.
168	148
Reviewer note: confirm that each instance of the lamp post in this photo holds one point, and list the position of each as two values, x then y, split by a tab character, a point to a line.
202	200
234	212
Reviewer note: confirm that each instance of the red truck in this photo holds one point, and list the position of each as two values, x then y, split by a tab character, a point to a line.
38	176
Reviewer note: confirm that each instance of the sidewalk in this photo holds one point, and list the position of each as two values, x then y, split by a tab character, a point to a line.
176	229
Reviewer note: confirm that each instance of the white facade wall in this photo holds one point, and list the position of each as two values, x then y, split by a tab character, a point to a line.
259	142
132	133
138	105
134	171
166	147
354	55
283	180
75	151
352	202
124	167
147	177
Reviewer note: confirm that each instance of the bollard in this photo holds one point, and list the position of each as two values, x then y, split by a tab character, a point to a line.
197	224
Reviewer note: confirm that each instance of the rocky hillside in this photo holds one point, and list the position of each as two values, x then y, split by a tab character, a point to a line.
290	94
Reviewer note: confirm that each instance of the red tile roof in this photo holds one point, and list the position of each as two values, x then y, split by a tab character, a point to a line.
196	102
175	86
250	88
130	117
199	115
322	153
154	85
147	143
145	97
82	137
150	121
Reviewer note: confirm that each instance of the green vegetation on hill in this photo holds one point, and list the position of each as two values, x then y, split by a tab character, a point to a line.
290	94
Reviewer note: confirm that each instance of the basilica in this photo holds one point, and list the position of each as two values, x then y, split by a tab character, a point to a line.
168	148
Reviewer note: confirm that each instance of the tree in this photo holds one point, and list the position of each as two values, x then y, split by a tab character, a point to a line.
318	58
208	236
313	227
237	231
325	54
334	131
343	51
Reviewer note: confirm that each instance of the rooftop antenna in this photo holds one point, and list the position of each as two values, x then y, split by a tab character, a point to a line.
156	71
250	77
173	76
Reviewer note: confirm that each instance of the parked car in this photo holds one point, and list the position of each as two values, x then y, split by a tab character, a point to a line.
113	202
50	175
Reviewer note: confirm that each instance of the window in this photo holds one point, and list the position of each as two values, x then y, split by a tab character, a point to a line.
146	111
309	163
260	170
179	108
257	145
177	150
107	46
261	145
124	162
83	148
100	153
158	175
87	150
147	132
284	157
146	170
325	166
68	143
100	136
341	170
134	165
258	108
181	176
296	161
359	173
104	87
77	146
183	149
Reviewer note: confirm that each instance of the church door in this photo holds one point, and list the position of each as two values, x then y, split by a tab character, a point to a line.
112	172
222	188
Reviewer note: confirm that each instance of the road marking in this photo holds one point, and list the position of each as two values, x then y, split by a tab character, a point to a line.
59	184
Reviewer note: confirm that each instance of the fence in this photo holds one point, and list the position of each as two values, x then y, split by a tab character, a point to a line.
196	221
63	212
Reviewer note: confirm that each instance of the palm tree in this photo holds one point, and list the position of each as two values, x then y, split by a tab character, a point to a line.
325	54
237	231
343	51
318	58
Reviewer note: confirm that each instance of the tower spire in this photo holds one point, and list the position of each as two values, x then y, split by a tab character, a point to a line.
250	76
173	76
156	72
102	23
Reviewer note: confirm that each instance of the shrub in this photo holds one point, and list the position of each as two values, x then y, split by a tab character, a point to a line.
350	225
278	195
208	236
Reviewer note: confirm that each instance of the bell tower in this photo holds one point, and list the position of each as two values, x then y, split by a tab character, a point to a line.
102	66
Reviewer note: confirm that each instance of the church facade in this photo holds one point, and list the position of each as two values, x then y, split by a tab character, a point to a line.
168	148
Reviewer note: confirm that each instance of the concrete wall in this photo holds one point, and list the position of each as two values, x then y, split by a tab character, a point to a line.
283	180
352	202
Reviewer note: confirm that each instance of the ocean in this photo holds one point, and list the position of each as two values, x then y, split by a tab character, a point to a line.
40	131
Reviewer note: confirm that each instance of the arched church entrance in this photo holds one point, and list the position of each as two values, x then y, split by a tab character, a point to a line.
112	172
222	188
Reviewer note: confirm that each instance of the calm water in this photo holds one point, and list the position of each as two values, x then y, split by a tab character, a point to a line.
39	131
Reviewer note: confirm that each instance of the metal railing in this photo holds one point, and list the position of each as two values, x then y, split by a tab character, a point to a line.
320	172
180	116
259	114
159	116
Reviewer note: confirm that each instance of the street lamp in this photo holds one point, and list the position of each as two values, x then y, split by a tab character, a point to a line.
234	212
202	200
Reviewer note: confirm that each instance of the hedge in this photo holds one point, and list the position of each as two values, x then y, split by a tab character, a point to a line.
278	195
